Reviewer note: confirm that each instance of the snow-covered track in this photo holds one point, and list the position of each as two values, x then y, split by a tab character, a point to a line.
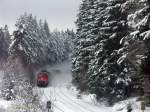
63	99
69	102
74	100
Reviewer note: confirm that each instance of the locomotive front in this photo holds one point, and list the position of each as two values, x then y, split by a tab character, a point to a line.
42	79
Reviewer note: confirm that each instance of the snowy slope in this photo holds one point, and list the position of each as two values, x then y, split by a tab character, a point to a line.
64	96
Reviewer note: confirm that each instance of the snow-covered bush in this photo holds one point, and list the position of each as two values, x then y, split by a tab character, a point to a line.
17	87
26	100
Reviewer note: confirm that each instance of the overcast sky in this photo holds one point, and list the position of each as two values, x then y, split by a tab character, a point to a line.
60	14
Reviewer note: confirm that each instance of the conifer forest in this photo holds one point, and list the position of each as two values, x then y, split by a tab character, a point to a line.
104	59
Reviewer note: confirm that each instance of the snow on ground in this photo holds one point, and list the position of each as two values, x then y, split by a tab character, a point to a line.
121	106
64	96
4	105
64	101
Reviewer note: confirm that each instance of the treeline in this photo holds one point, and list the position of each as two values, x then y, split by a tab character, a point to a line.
29	48
111	57
39	45
34	42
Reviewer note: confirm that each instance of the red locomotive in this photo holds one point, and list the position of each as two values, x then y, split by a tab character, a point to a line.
42	79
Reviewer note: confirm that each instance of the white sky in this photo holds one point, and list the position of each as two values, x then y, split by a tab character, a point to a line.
60	14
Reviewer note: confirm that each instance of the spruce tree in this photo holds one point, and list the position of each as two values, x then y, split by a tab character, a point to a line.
5	41
84	42
108	78
143	33
17	46
32	42
40	45
111	47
